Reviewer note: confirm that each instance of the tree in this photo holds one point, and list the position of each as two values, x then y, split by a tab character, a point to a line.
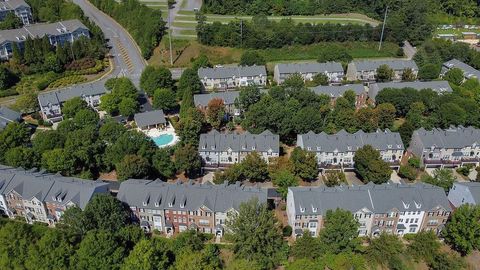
242	264
104	212
283	180
189	240
86	117
57	160
386	250
164	99
250	58
14	241
128	107
248	96
163	163
454	76
215	112
307	247
187	103
462	232
20	157
384	73
429	71
304	164
72	106
132	166
340	232
370	167
7	78
74	222
149	254
110	131
424	246
256	225
27	103
408	75
99	250
320	79
153	78
451	114
385	114
231	175
254	168
303	264
190	82
188	160
51	251
129	143
334	178
13	135
441	177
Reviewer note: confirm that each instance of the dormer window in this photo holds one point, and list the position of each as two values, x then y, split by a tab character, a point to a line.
144	203
389	146
253	147
54	198
309	148
314	209
203	147
156	204
302	209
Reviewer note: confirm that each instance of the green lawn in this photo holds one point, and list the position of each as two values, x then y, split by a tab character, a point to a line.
185	18
184	24
188	32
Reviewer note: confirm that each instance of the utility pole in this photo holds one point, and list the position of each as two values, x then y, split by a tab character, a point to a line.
383	29
170	34
241	33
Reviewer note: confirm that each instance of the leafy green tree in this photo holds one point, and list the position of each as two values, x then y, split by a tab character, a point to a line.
14	241
201	62
128	107
302	264
110	131
190	127
320	79
304	164
132	166
451	114
188	160
20	157
104	212
407	171
153	78
444	261
454	76
164	99
340	232
248	96
163	163
441	177
187	103
386	250
306	247
242	264
429	71
283	180
149	254
384	73
189	240
7	78
99	249
250	58
406	131
408	75
11	21
345	260
13	135
256	225
129	143
74	222
200	260
86	117
72	106
190	82
231	175
385	113
370	166
462	232
47	140
27	103
424	246
109	103
334	178
254	168
57	160
52	251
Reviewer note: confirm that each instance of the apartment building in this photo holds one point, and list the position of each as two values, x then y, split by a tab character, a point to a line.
453	147
19	7
336	151
40	197
335	92
333	70
440	87
201	101
366	70
228	78
223	149
464	193
468	71
51	103
388	208
176	207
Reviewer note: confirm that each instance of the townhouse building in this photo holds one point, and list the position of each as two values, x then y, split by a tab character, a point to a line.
18	7
336	151
464	193
440	87
201	101
452	147
176	207
388	208
337	91
228	78
40	197
366	70
57	33
8	116
333	70
468	71
50	103
223	149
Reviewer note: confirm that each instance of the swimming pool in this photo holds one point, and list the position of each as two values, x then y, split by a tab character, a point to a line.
163	140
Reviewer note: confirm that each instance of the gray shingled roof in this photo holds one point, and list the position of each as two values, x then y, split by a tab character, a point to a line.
348	142
458	137
437	86
227	97
474	188
338	91
60	96
468	71
40	29
44	187
393	64
13	4
329	67
7	116
375	198
158	194
246	142
229	72
150	118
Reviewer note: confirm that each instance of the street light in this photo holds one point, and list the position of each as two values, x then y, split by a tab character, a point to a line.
171	4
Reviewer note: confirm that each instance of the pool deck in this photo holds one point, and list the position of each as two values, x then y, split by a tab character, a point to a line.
154	132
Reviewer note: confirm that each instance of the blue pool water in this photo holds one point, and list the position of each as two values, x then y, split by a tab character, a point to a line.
163	139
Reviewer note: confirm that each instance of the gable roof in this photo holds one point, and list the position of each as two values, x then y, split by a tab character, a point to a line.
349	142
474	188
328	67
454	137
438	86
13	4
229	72
187	196
150	118
367	65
376	198
7	116
60	96
468	71
246	142
338	91
227	97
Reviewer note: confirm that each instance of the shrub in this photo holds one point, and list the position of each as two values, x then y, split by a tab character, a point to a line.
80	64
464	170
408	172
414	162
287	231
66	81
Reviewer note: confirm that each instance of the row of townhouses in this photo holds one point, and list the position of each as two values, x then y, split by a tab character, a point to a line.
366	70
57	33
333	70
388	208
468	71
18	7
50	103
224	78
40	197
